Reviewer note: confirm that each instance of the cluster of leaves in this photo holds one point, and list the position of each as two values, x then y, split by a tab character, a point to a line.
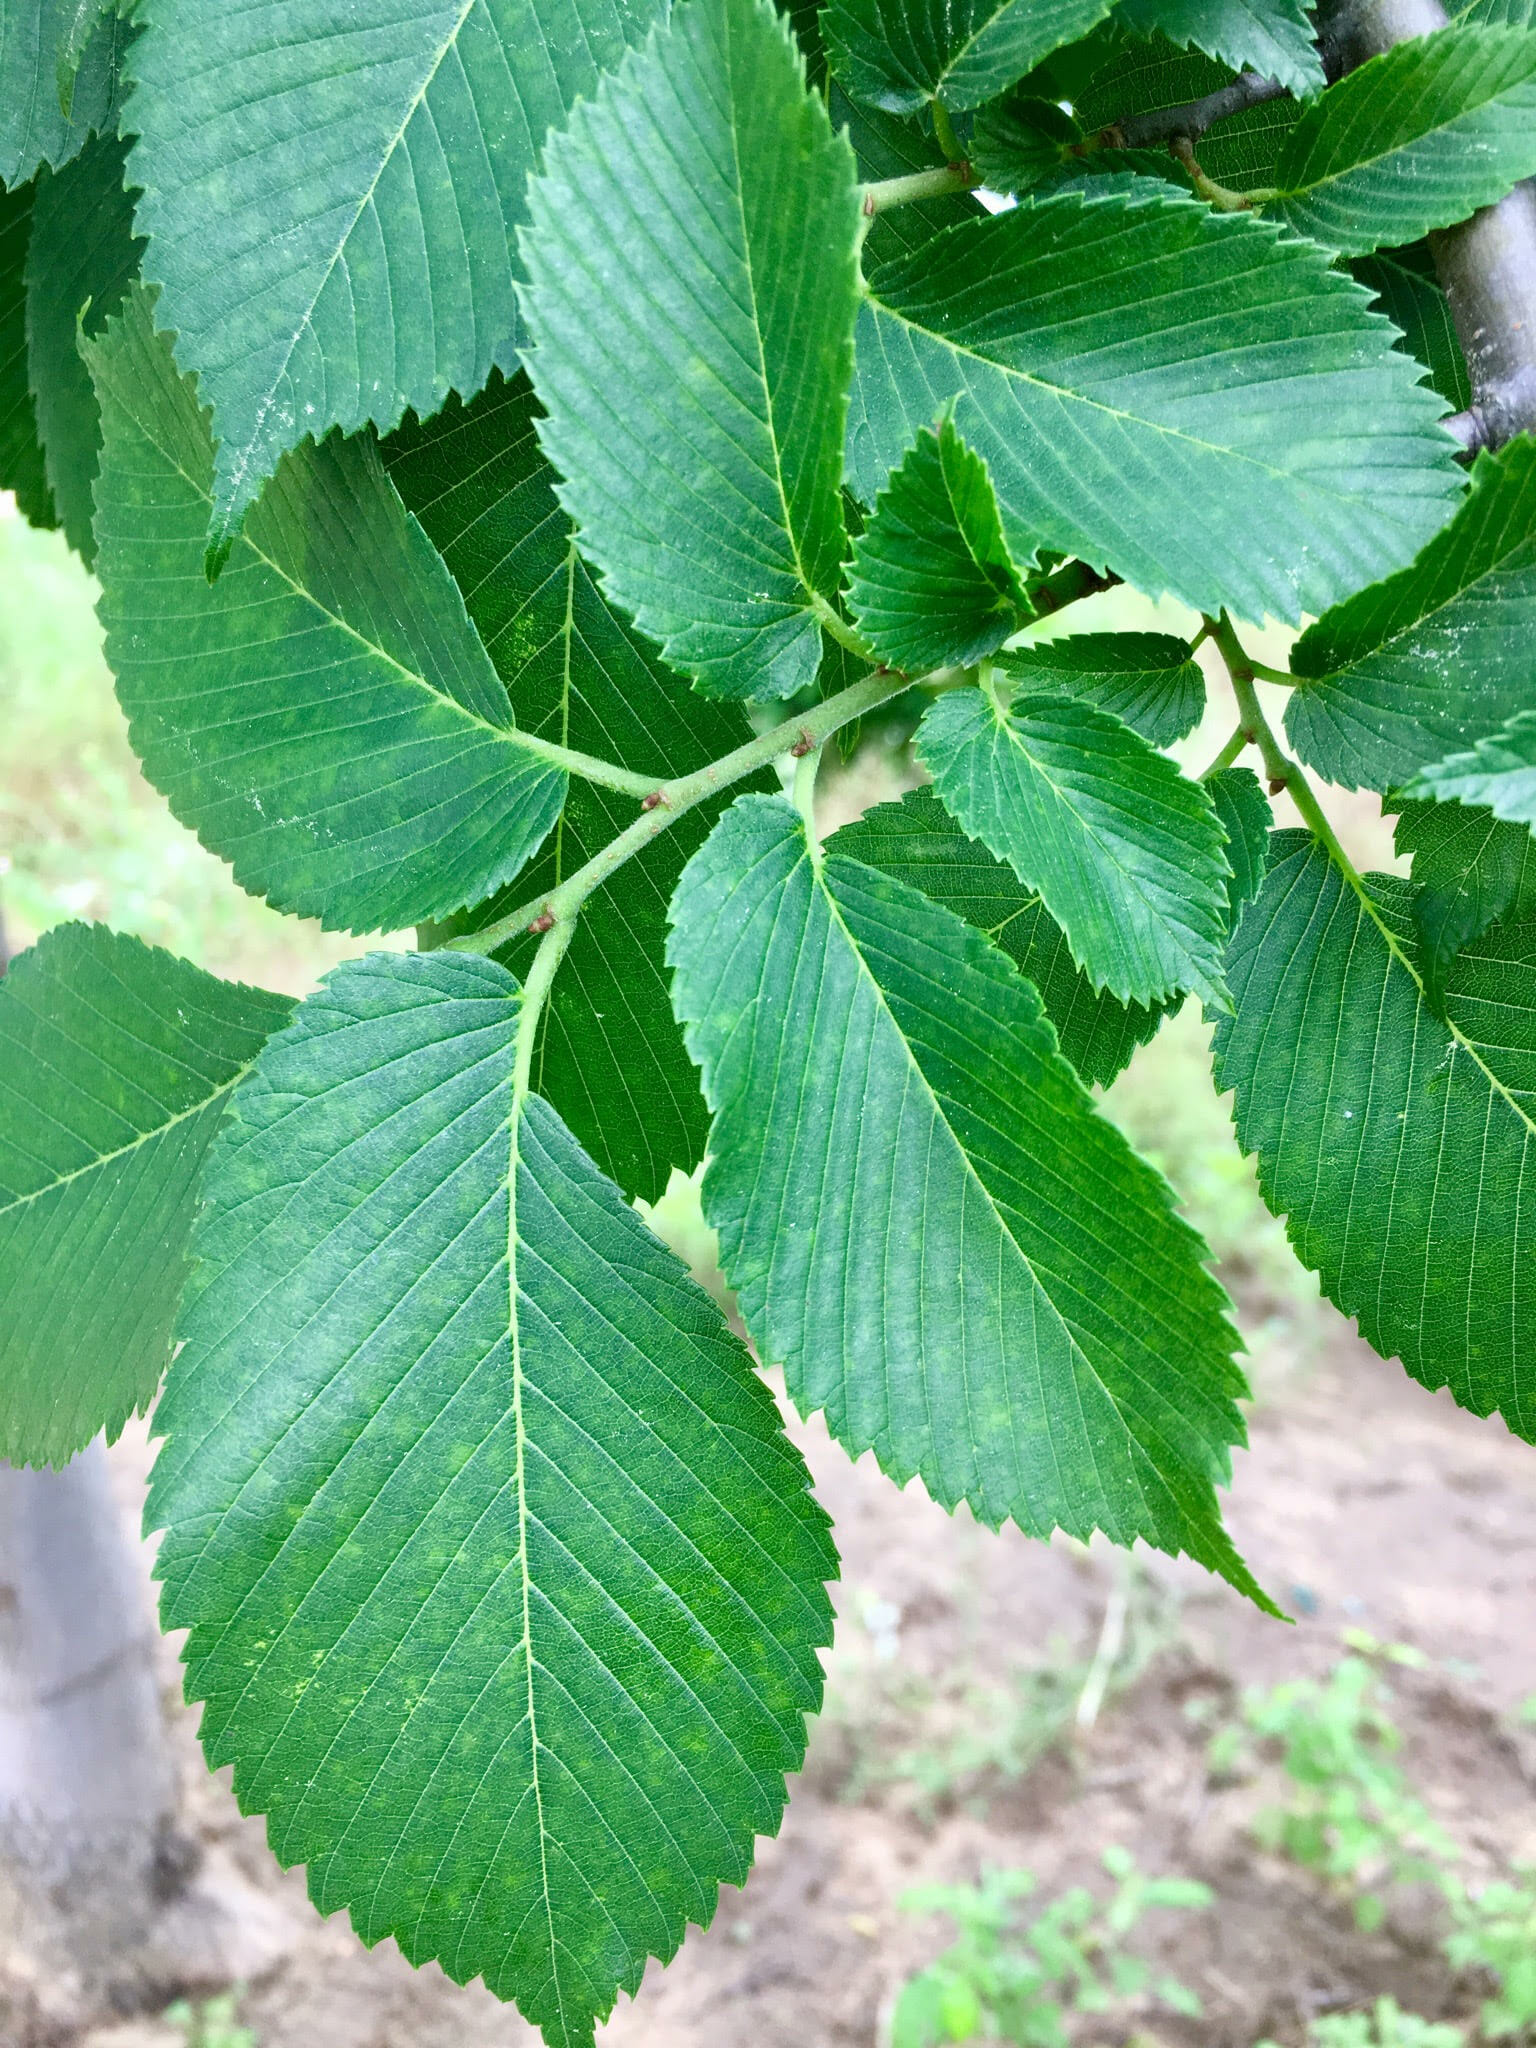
1001	1981
472	413
1351	1815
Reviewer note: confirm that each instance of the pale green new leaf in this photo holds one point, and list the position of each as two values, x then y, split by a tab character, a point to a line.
610	1056
1391	1141
1469	868
1151	681
932	581
918	843
923	1217
323	717
82	257
1407	292
1499	771
1271	37
22	468
1194	400
504	1585
899	54
364	172
1125	851
1414	139
1435	658
36	38
116	1061
693	340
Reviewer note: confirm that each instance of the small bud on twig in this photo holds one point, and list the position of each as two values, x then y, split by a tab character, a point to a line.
544	922
802	746
652	802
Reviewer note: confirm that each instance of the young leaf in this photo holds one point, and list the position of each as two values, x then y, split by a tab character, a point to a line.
923	1217
323	717
697	381
35	35
1414	139
367	171
1125	851
899	54
1151	681
116	1061
609	1056
1407	292
918	843
1436	657
504	1584
1468	870
22	469
1192	399
82	257
1499	771
1388	1139
932	582
1271	37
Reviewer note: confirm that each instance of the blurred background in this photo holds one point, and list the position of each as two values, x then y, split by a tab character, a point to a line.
1057	1794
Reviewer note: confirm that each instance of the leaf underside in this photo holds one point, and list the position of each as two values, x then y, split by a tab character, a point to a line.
1151	681
1499	771
323	717
1469	869
504	1585
367	170
922	1215
116	1061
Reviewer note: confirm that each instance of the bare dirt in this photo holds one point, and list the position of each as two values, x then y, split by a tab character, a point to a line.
1364	1503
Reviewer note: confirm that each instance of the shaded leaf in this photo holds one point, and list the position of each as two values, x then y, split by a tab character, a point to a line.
932	582
1499	771
466	1486
1125	851
1387	1138
1468	870
1020	144
1144	75
1408	293
116	1062
1245	816
22	469
923	1216
610	1056
918	843
1435	657
36	38
374	272
1414	139
1271	37
1194	400
323	717
696	400
82	258
1150	681
886	147
899	54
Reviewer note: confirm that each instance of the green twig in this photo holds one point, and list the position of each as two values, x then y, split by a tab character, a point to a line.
885	193
607	774
944	133
1229	753
536	986
666	803
837	628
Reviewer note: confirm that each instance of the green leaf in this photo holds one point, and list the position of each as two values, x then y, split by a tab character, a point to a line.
917	842
697	397
1144	75
1437	656
885	147
1021	144
1195	400
338	734
1387	1138
367	172
504	1584
1245	816
116	1062
1468	870
1414	139
609	1055
899	54
1490	997
923	1216
1151	681
82	258
1272	37
22	469
1407	292
1498	14
932	582
1125	851
1499	771
35	37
